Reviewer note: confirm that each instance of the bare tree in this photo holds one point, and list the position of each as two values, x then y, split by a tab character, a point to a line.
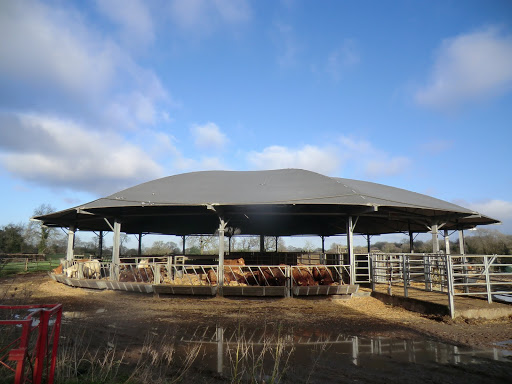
38	234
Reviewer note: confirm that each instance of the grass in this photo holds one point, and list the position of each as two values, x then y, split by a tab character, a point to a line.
30	266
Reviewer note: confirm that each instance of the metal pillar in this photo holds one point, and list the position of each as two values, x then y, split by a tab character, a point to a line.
100	244
183	242
222	227
229	244
323	244
117	242
435	240
462	247
277	239
446	242
139	249
368	241
262	244
350	250
411	242
71	244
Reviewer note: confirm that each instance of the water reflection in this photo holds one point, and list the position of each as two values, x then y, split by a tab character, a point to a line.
229	347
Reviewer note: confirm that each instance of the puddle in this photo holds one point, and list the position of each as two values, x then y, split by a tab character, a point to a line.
222	349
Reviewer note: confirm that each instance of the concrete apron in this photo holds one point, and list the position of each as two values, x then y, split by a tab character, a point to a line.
469	308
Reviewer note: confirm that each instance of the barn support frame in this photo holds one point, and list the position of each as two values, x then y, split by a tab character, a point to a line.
350	248
447	242
71	244
222	228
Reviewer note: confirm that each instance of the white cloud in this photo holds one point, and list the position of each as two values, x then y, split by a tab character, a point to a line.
132	16
497	209
370	161
59	59
208	136
469	68
202	16
346	156
323	160
70	156
342	58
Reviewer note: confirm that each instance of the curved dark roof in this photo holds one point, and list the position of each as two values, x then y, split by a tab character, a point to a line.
275	202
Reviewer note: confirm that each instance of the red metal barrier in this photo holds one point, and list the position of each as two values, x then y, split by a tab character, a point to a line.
32	355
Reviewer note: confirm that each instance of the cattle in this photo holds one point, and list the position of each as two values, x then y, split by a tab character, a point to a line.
323	275
272	276
303	276
91	269
137	275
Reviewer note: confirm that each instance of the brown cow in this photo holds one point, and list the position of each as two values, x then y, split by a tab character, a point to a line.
323	275
303	276
272	276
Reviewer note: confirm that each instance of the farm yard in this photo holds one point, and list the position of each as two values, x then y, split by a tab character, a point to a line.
111	336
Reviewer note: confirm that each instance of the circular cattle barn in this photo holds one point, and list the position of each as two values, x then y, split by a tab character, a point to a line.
275	203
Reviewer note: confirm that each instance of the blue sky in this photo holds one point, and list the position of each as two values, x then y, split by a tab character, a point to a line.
101	95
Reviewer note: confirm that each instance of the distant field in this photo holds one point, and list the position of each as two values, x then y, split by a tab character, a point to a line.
21	265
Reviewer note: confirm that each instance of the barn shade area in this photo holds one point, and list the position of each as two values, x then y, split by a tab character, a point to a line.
281	202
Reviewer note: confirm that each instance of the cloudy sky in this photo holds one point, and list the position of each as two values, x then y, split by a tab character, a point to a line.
101	95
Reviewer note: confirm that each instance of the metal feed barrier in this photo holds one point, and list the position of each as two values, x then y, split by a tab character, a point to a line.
454	275
165	277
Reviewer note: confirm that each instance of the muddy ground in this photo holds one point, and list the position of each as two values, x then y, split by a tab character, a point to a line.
131	315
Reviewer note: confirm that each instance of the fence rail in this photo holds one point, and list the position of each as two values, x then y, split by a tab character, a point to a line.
453	275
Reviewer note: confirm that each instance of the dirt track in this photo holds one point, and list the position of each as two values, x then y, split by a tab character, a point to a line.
132	313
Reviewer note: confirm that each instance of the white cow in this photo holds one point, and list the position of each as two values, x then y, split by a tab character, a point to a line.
91	269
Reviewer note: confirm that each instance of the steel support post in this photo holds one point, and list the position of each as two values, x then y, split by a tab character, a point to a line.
183	239
350	250
220	279
323	244
464	260
405	274
446	242
451	291
487	267
100	244
115	250
372	271
139	249
71	244
435	240
427	273
462	247
368	243
411	242
262	244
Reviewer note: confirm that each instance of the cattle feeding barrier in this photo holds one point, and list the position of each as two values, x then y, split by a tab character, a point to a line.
488	276
163	276
29	342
